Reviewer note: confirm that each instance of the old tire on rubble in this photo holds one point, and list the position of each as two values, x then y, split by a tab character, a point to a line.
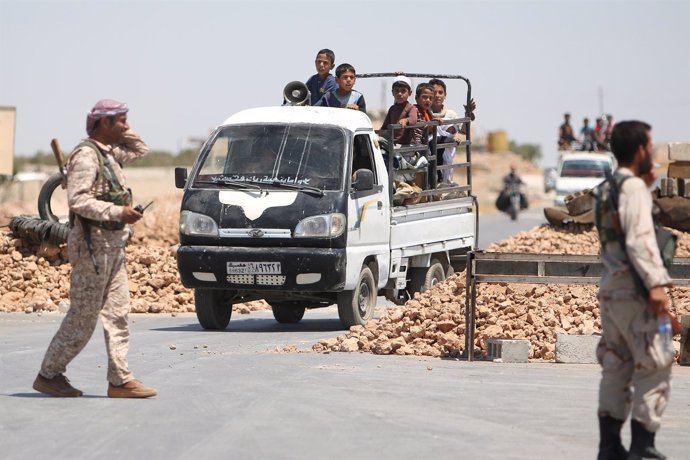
213	308
36	231
288	312
424	278
45	195
356	307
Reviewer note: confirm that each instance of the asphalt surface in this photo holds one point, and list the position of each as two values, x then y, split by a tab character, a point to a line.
229	394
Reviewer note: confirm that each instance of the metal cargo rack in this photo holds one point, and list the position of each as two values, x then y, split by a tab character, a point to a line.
429	146
493	267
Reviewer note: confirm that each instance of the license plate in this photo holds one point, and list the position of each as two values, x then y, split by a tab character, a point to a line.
253	268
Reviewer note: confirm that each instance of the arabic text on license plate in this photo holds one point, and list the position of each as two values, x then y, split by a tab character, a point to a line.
253	268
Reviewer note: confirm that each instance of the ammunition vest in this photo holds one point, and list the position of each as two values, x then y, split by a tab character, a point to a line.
608	224
115	192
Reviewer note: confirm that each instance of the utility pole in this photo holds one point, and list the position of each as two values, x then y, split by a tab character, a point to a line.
601	101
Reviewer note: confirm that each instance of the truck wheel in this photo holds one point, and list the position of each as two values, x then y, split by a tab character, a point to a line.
213	308
287	312
424	279
45	195
357	306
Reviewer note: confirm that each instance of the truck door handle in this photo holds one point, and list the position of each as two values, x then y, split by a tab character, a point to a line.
379	205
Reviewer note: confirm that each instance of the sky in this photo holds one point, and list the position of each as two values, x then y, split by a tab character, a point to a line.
185	66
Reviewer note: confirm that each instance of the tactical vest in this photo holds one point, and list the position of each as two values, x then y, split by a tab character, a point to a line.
608	224
115	192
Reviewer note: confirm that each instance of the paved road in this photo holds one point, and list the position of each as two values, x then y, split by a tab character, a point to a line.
227	395
230	395
497	226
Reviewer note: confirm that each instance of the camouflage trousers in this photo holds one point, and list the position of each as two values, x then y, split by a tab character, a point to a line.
636	370
105	294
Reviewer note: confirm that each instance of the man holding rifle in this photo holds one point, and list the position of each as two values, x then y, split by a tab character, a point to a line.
100	207
635	351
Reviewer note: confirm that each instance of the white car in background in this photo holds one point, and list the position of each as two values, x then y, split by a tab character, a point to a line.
578	171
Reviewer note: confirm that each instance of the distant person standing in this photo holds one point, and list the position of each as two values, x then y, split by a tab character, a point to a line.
636	363
565	134
587	134
322	81
599	134
100	207
608	131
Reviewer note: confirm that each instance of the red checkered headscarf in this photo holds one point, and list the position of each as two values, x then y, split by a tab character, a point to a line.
103	108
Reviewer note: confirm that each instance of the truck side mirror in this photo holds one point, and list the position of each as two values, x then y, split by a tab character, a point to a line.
180	177
363	180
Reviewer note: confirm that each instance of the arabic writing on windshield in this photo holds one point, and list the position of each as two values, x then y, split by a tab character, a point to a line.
289	154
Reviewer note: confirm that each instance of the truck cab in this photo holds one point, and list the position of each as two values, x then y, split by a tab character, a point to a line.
295	205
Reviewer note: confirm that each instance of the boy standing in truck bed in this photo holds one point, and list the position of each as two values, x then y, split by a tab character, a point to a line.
322	81
345	96
401	112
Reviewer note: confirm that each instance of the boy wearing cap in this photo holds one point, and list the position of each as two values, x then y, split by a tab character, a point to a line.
401	112
322	82
345	96
100	206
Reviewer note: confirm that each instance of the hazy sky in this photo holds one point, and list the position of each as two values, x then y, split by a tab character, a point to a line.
185	66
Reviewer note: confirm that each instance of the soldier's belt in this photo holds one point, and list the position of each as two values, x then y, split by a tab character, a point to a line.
106	224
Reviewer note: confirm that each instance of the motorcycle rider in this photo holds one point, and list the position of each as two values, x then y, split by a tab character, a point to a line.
511	182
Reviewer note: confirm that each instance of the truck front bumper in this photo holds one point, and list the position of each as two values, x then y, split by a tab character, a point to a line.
300	269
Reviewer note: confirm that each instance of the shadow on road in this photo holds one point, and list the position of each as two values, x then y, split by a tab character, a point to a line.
263	325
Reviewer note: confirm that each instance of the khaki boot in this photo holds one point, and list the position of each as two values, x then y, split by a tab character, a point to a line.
131	389
58	386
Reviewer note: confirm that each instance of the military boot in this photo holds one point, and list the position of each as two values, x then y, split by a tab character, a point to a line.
131	389
642	445
58	386
610	445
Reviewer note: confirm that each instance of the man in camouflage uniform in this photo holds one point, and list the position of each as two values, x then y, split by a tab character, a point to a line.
100	207
630	351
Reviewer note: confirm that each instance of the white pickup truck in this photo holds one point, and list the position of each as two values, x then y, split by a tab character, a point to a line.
296	205
579	171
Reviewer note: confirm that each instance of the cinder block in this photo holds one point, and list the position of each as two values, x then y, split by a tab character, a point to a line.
576	349
508	351
684	359
679	151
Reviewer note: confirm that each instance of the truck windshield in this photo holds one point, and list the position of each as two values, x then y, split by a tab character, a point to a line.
585	168
304	155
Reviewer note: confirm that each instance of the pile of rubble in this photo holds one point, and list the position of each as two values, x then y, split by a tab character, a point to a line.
433	323
35	278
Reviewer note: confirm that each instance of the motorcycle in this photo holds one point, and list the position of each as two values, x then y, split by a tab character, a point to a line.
511	201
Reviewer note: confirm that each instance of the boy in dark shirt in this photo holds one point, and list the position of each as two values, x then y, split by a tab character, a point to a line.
401	112
322	82
344	96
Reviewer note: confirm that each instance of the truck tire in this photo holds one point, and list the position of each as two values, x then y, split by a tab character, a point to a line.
287	312
424	278
356	307
44	196
213	308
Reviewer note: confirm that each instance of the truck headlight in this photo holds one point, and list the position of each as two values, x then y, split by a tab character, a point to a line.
192	223
325	225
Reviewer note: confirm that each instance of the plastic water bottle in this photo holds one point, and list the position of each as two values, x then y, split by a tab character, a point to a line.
663	328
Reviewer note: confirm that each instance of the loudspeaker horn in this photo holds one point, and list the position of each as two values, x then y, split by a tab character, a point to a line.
296	93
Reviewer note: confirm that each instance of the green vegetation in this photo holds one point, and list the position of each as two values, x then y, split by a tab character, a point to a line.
530	152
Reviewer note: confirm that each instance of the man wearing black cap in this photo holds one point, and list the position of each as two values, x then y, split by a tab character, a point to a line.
100	207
